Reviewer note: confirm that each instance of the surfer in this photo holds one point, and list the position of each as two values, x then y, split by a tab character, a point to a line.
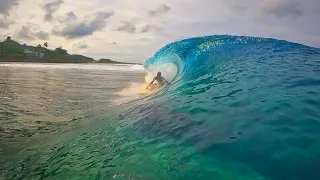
161	80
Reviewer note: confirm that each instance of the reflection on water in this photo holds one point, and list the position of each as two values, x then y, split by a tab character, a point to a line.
36	100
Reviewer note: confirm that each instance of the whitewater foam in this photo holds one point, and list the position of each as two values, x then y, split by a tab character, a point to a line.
169	71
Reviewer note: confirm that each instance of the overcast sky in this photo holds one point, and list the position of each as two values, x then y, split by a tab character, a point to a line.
133	30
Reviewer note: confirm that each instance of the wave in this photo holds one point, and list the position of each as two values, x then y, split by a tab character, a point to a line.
224	80
192	55
237	107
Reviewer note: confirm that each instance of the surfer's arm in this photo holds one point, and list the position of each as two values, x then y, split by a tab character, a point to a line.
150	84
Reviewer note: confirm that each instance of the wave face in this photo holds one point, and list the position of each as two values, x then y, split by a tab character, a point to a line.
192	55
237	108
250	101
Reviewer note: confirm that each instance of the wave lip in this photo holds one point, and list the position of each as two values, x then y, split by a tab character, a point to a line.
194	55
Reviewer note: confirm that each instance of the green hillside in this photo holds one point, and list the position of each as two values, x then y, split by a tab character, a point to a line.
11	51
113	62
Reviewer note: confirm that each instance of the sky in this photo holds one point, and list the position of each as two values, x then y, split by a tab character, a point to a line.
133	30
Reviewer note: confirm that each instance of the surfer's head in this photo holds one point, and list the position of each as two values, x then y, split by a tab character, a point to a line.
159	74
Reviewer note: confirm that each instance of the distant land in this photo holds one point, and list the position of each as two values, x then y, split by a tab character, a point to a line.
11	51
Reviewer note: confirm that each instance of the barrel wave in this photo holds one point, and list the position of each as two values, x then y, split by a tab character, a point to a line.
236	108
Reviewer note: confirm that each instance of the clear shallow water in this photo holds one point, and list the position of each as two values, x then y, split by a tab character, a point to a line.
239	108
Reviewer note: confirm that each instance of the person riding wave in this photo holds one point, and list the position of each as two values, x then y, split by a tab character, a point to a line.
161	80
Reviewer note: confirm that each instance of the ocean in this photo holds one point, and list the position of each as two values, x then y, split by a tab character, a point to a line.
236	108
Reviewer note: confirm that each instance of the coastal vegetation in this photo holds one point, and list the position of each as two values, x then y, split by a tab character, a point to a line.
12	51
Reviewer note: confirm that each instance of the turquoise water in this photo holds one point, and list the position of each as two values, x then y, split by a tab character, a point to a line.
237	108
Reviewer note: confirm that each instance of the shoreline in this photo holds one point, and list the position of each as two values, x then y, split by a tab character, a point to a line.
23	62
88	66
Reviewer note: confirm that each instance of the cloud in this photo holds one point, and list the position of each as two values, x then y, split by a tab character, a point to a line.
240	8
81	45
41	35
145	39
25	33
149	27
127	27
281	8
6	5
31	32
32	16
5	23
162	9
131	26
50	8
70	16
85	26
